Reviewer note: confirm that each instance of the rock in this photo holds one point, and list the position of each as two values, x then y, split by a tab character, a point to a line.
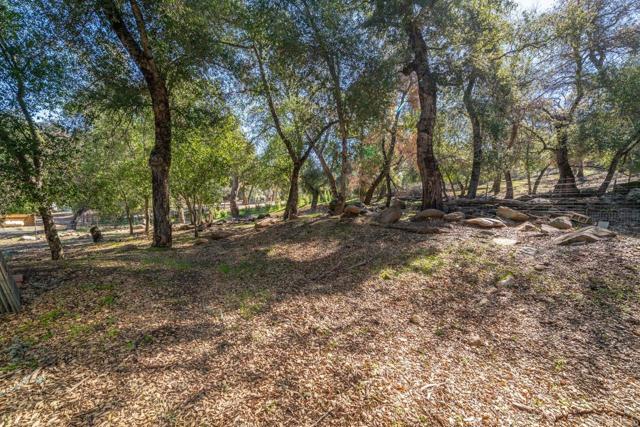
547	229
540	201
96	234
28	238
527	226
415	320
454	216
218	235
263	223
512	214
600	232
585	235
351	211
633	195
485	222
578	217
201	241
507	281
475	340
561	223
428	214
389	216
503	241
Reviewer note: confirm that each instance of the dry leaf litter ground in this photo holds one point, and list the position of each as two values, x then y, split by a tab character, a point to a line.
319	322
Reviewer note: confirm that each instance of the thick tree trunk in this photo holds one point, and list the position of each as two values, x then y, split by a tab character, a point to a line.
427	93
538	180
566	185
387	179
291	209
55	245
233	206
509	184
476	139
495	189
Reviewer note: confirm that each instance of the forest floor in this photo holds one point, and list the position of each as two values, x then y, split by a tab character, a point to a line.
318	322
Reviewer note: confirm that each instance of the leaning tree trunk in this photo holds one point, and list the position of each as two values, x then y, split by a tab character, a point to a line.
291	209
427	93
509	184
55	245
614	165
9	294
372	188
566	185
233	205
73	224
538	180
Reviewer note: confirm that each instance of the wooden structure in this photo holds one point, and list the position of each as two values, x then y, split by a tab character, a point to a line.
18	220
9	294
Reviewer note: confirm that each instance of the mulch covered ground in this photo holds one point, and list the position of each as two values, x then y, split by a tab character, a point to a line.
317	322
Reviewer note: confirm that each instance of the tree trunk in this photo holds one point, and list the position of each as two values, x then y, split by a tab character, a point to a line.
291	209
235	212
476	139
495	189
372	188
315	194
73	224
427	93
509	184
387	177
146	215
566	185
611	171
55	245
580	173
127	212
538	180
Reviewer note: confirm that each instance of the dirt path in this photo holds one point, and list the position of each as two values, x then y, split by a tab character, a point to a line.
325	323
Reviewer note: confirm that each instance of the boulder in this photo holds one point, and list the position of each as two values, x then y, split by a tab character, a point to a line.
561	223
351	211
454	216
547	229
484	222
585	235
512	214
201	241
96	234
428	214
527	226
218	234
389	216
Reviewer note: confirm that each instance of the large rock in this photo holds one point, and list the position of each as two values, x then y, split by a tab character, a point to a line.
540	201
585	235
428	214
454	216
561	223
484	222
390	215
351	211
512	214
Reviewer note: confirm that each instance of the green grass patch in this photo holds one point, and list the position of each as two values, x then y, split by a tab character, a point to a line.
250	303
427	262
168	262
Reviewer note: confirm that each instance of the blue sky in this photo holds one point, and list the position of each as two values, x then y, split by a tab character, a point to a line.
535	4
